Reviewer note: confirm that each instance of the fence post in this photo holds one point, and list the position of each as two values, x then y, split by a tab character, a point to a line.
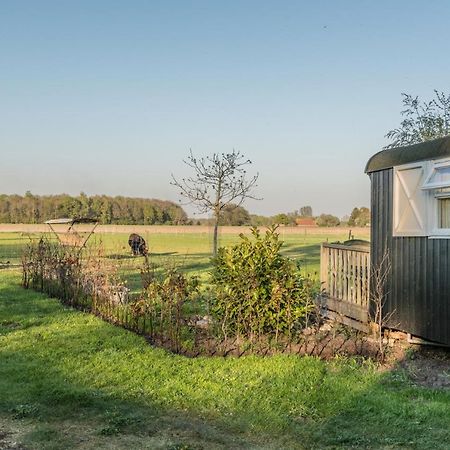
323	267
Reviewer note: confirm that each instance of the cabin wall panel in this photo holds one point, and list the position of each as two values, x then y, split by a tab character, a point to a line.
418	288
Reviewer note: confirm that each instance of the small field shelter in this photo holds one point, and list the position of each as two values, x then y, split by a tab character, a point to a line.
410	206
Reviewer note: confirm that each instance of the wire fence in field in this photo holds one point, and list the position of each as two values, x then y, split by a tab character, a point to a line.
188	247
190	253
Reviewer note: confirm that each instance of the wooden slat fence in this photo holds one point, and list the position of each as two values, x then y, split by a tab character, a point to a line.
345	280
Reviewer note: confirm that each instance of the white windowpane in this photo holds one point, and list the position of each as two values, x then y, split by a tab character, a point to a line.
441	175
443	212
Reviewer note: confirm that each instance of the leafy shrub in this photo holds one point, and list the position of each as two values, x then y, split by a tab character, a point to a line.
258	290
51	268
163	304
82	279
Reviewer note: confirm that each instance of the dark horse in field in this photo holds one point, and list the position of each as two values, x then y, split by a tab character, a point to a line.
137	244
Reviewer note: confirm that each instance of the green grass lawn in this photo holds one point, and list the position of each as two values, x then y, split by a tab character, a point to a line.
193	251
70	380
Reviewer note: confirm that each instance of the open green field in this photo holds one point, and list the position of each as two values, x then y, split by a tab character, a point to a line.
190	251
70	380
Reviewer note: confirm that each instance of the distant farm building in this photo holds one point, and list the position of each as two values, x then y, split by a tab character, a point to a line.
305	222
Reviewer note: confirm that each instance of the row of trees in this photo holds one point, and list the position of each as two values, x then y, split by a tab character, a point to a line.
124	210
237	216
108	210
360	217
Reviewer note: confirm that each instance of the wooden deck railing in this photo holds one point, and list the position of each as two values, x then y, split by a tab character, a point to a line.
345	279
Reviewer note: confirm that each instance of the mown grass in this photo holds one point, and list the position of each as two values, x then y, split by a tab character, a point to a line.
193	251
70	380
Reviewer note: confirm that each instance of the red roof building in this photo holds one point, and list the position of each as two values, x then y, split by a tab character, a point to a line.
305	222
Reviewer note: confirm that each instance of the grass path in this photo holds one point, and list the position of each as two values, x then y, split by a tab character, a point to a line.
69	380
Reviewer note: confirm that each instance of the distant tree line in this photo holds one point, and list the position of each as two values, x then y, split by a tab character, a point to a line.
360	217
238	216
139	211
283	218
108	210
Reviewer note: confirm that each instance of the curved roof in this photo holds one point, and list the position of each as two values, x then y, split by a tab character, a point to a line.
435	149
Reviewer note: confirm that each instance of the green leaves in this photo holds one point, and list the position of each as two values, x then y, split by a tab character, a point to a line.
163	304
258	290
422	120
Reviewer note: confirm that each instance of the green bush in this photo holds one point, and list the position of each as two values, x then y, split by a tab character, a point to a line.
163	305
258	290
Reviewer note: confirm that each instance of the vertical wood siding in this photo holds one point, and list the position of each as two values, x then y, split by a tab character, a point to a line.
418	289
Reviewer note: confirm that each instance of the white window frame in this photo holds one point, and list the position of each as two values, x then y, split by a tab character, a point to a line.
436	232
432	169
433	211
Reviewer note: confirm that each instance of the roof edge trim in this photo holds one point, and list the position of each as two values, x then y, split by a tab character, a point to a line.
386	159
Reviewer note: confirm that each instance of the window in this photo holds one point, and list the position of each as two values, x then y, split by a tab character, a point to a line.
443	207
421	205
439	175
437	183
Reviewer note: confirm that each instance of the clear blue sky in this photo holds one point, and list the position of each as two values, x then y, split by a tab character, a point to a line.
108	96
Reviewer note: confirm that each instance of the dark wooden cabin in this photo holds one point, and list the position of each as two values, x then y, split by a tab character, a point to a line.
410	204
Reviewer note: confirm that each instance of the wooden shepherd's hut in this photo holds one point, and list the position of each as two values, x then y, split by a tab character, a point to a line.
410	204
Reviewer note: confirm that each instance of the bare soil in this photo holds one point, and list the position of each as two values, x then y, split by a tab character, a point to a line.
183	229
8	440
324	341
427	366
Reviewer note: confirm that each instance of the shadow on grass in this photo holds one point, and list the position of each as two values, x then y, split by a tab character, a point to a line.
53	378
162	254
129	256
310	252
121	256
199	265
75	368
185	262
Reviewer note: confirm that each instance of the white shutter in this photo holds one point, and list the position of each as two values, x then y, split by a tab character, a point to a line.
410	201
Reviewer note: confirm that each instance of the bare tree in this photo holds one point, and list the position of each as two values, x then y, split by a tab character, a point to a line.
218	180
378	287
